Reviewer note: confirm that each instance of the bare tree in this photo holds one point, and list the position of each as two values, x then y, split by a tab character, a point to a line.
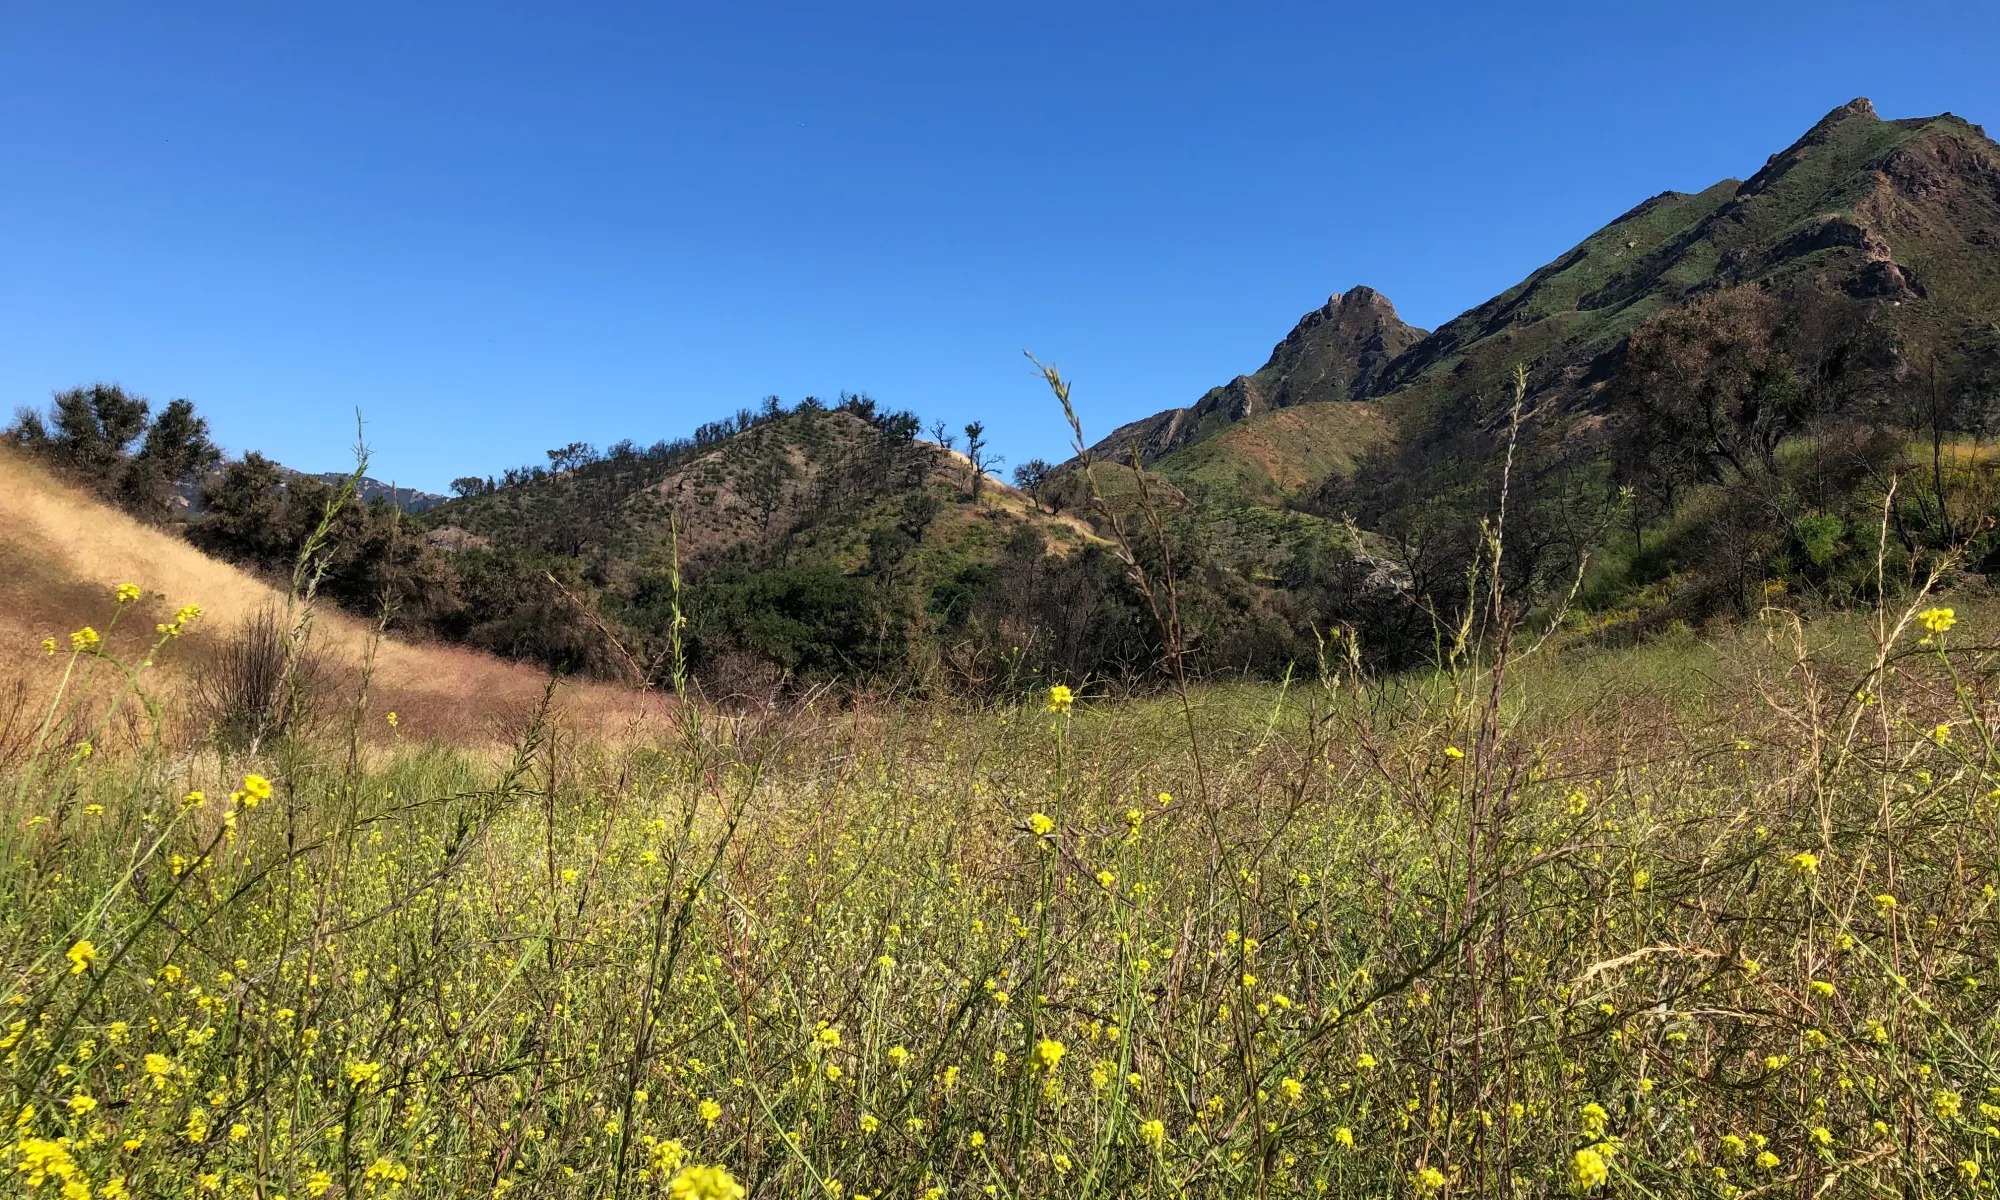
975	453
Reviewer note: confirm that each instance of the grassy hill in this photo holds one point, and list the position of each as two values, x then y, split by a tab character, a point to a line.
1687	919
1716	388
1336	352
1899	213
64	552
1283	453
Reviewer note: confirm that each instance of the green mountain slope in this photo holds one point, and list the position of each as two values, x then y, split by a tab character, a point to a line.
1903	213
1336	352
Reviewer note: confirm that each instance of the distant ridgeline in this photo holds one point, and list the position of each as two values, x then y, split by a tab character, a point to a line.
1716	394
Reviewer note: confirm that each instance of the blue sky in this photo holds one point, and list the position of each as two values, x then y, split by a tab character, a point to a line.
498	228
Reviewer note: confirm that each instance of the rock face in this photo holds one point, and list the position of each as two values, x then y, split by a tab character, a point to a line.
1335	352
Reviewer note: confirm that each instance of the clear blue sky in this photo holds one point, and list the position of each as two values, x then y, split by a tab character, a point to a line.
501	227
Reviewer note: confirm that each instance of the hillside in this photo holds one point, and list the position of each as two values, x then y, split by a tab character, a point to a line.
1902	214
1285	452
808	486
1728	376
1336	352
1723	394
63	552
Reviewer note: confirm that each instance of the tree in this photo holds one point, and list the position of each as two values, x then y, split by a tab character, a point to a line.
89	435
1030	476
572	456
94	427
176	449
177	445
975	454
940	434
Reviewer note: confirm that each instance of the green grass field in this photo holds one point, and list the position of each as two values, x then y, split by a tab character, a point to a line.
1692	919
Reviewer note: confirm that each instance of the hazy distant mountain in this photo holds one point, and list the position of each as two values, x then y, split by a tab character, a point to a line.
187	495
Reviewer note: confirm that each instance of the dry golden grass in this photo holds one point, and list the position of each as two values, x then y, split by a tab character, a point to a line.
62	552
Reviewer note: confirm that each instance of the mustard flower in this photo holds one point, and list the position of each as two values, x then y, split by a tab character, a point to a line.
81	956
1049	1054
1587	1168
1937	620
705	1183
1060	699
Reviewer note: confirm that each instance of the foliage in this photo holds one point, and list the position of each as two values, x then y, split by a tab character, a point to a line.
1583	927
107	439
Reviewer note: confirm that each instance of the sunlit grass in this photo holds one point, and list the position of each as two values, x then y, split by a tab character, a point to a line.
1683	920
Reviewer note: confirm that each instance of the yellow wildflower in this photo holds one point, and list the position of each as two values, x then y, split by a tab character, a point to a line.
1060	699
81	956
1049	1054
1587	1168
705	1183
1937	620
84	639
127	593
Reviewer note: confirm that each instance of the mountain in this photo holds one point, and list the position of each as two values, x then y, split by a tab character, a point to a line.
64	551
1721	395
1904	215
810	485
1335	353
187	500
409	500
1901	215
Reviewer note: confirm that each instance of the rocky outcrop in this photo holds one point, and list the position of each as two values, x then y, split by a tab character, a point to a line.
1337	351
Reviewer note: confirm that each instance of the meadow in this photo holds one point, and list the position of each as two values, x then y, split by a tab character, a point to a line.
1694	918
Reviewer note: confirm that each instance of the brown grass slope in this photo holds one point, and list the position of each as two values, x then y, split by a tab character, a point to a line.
63	552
